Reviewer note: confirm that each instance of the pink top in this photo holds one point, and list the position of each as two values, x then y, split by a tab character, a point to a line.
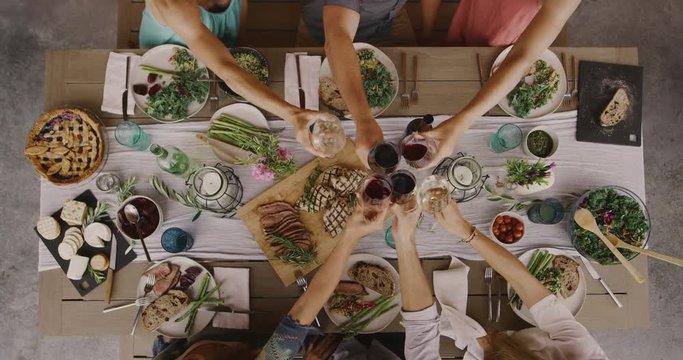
490	22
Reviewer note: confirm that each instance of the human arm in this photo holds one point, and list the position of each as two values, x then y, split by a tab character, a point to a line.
535	39
507	265
340	24
430	8
183	17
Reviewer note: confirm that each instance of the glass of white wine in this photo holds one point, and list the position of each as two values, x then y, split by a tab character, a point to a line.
434	194
327	136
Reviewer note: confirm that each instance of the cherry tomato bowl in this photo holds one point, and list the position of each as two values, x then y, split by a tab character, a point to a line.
507	227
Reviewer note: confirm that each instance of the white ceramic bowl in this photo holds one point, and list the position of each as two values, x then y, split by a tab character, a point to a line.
547	130
118	224
512	215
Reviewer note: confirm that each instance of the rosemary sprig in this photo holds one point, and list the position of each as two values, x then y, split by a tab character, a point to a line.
293	254
96	214
184	198
96	274
310	181
126	189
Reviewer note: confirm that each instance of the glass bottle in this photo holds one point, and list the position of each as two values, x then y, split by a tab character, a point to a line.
171	159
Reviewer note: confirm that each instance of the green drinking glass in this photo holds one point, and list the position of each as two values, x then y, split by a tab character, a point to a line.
507	137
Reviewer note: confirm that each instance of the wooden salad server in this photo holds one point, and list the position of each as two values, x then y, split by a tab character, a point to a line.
223	151
586	220
624	245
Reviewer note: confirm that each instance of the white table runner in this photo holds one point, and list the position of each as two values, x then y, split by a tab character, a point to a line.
581	166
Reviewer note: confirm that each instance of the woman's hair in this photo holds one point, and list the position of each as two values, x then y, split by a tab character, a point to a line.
504	347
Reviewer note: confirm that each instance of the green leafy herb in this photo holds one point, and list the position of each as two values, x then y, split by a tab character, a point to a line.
540	143
615	213
534	90
96	274
523	173
184	198
293	254
377	81
126	189
252	64
96	214
507	200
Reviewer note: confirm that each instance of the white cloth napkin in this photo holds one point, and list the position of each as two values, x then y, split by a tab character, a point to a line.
450	288
310	70
115	83
235	293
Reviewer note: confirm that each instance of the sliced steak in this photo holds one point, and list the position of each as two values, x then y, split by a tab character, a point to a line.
273	208
284	224
346	287
274	219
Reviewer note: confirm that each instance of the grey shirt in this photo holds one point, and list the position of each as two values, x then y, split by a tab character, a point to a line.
375	17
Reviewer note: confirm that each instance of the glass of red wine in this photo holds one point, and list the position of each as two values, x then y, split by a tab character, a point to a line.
417	150
384	158
376	194
403	185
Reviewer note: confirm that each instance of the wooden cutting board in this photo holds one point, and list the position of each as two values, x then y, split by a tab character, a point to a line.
290	190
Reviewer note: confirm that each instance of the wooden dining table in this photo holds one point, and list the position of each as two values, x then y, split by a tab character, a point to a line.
447	79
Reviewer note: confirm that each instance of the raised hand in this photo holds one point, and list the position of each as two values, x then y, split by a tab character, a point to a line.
368	134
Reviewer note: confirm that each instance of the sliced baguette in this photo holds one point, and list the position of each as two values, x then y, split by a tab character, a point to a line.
373	277
164	308
616	110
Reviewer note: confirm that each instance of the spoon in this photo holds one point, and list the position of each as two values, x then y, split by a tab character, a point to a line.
624	245
133	216
586	220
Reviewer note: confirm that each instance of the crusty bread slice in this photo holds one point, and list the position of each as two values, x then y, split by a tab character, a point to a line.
373	277
164	308
616	110
570	275
331	96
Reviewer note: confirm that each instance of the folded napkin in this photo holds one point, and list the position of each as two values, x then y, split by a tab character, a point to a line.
310	70
115	83
235	293
450	288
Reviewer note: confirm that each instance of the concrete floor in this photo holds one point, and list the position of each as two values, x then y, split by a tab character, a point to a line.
28	28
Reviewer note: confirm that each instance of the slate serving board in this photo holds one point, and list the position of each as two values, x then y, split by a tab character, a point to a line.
597	84
87	283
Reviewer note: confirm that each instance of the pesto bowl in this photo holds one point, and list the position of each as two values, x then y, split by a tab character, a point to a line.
617	210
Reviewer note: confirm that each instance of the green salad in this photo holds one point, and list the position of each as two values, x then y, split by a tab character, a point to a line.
615	213
252	64
535	89
377	81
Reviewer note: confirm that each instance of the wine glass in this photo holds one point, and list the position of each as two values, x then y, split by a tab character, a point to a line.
417	150
434	194
376	194
384	158
403	184
327	136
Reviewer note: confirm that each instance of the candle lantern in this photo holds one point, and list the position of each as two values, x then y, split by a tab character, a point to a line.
464	175
216	189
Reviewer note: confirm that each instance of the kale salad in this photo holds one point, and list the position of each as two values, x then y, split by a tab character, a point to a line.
616	213
377	81
535	89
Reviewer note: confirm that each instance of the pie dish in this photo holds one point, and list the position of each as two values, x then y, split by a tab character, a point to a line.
66	146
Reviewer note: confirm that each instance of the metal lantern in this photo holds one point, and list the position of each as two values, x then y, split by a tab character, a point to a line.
216	189
464	175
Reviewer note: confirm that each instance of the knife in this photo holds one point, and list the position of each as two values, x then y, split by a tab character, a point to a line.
302	94
228	309
594	274
112	267
124	99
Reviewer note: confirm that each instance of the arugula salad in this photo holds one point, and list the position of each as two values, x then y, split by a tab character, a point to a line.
615	213
535	89
377	80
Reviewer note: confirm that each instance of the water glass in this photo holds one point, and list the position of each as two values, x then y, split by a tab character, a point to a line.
131	135
548	211
389	237
327	136
508	137
107	182
175	240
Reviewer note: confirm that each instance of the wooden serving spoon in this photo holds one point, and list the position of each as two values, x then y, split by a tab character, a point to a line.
624	245
587	221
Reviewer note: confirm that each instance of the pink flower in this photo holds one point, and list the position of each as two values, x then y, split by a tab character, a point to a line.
284	154
262	172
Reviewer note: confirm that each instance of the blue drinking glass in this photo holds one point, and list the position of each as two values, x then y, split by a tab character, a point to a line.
175	240
548	211
507	137
131	135
389	237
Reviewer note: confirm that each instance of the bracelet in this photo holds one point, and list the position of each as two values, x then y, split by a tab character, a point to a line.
471	237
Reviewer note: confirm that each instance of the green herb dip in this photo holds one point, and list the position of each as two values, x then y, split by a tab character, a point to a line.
540	143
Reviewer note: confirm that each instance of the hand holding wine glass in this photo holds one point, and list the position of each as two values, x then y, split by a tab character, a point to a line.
452	220
368	134
445	136
302	120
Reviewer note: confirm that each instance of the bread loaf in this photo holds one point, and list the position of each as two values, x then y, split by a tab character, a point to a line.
373	277
616	110
570	275
164	308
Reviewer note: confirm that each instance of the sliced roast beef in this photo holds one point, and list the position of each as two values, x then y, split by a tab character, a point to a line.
274	219
274	208
346	287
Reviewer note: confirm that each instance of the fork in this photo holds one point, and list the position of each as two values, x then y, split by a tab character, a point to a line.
575	91
150	279
413	94
141	301
488	279
405	97
567	98
303	285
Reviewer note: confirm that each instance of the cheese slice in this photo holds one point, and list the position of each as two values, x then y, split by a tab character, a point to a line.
48	228
96	234
77	267
75	234
74	212
65	251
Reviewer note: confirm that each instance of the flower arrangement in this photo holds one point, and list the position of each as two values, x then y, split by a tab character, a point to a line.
523	173
269	163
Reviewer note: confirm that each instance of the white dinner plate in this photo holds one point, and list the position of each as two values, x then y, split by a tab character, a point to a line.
159	57
326	72
174	329
383	321
554	103
246	112
574	303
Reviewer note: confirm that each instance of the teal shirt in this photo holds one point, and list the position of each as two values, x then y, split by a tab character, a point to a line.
224	25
